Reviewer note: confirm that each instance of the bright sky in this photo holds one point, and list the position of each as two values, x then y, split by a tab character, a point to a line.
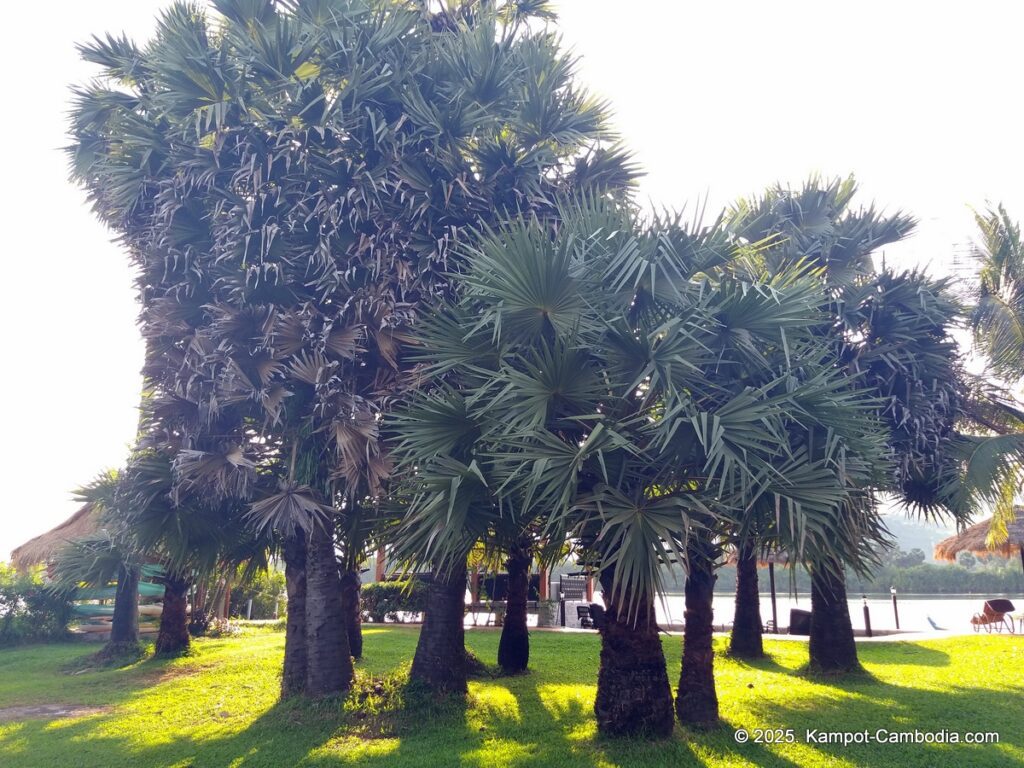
717	99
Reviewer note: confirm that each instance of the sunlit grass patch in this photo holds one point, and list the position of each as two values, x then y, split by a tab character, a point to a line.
219	707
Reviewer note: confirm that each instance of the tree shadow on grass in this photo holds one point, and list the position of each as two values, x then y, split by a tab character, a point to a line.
544	718
120	656
766	664
505	723
158	696
901	654
533	721
904	653
75	675
511	722
878	709
839	680
288	733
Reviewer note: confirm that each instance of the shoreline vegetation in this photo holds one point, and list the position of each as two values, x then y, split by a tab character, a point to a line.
993	577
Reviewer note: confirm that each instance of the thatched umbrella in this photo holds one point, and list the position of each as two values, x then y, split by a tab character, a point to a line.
974	539
42	548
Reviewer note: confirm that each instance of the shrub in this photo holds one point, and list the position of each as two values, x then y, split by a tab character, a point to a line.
222	628
386	600
199	623
265	590
29	611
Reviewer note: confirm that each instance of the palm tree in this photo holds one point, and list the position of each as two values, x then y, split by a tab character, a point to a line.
753	538
807	484
439	424
892	333
190	536
96	560
997	317
511	389
108	554
318	660
745	641
634	396
522	544
996	471
514	644
290	180
809	224
356	530
296	655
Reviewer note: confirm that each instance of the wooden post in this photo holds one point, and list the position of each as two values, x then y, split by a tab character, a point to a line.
378	571
1022	557
590	589
545	585
775	613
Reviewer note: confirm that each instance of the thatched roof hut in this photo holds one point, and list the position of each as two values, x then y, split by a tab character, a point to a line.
973	540
43	547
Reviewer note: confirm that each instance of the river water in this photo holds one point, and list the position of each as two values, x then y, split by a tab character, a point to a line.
947	612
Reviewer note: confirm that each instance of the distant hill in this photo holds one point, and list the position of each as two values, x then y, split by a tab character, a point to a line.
916	534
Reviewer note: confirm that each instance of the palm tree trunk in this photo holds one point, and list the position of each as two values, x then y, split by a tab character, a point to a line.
745	641
351	583
329	663
633	694
197	621
832	647
514	646
293	680
173	637
440	660
124	626
697	700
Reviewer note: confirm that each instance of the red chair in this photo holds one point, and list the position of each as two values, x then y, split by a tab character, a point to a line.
995	616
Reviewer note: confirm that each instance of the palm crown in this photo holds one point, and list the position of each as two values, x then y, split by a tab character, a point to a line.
629	386
290	179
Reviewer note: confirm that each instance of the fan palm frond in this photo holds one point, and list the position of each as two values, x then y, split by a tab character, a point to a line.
293	508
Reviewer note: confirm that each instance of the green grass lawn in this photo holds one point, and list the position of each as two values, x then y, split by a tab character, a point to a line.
217	707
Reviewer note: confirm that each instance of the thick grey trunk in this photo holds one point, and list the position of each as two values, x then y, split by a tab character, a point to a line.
832	647
124	627
633	693
173	637
697	699
440	660
293	680
351	585
514	645
329	663
745	641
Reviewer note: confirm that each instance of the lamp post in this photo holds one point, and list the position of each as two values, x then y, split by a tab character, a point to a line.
867	617
895	610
